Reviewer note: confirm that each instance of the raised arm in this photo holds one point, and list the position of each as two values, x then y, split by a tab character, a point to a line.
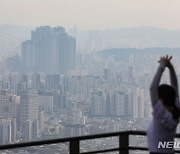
155	83
173	78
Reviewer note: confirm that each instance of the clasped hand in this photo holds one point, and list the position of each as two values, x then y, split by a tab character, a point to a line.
165	61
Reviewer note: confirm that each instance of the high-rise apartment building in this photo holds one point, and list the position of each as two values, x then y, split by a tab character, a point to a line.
31	130
41	119
29	114
50	50
8	104
7	130
138	103
28	56
45	102
98	103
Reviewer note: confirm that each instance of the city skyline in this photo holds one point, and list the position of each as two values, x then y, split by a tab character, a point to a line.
63	93
83	67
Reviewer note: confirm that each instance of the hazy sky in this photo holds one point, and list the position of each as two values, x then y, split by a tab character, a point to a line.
92	14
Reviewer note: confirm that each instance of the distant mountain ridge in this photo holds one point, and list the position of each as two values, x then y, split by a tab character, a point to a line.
140	32
122	54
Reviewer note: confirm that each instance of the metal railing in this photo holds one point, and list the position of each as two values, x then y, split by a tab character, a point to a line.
74	143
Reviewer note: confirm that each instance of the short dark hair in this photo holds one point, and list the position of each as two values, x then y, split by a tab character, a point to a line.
168	94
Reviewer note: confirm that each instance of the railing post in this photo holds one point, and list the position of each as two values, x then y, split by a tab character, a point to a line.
124	144
74	147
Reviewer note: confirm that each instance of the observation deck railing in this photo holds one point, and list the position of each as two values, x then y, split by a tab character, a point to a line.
74	143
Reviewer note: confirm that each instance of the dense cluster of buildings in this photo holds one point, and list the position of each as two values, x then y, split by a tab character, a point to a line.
45	93
41	105
24	97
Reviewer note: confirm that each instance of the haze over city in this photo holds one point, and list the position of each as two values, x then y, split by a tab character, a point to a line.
81	67
91	14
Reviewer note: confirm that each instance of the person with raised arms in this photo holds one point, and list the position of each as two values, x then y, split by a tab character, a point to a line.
166	109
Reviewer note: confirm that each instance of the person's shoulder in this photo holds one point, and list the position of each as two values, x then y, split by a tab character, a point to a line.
158	105
158	108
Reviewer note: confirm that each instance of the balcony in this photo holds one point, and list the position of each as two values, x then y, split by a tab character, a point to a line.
74	143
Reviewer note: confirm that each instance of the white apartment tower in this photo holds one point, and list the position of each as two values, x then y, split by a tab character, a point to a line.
29	113
50	50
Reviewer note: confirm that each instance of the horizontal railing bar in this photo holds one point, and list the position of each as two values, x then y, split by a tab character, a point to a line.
177	135
176	151
101	151
69	139
137	132
62	140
